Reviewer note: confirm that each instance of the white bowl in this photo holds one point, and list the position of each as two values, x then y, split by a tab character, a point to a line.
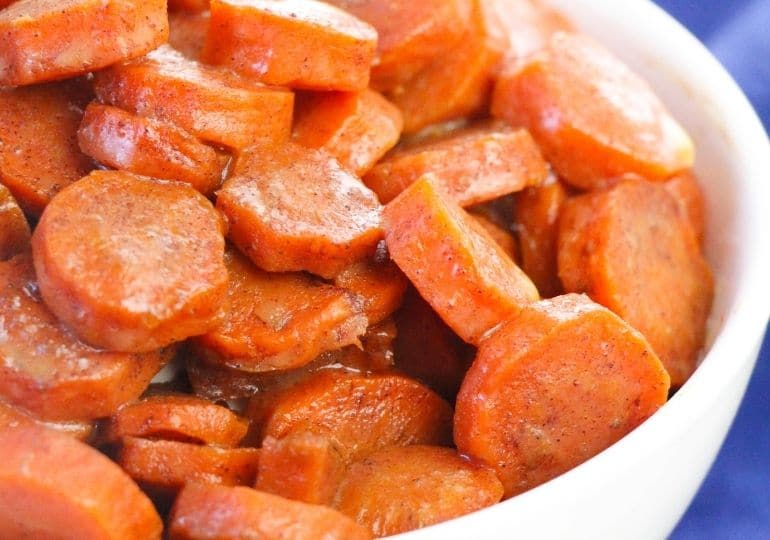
641	486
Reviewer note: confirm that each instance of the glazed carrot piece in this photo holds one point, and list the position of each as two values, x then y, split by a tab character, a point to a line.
593	118
67	38
357	128
573	377
14	229
191	6
13	417
631	250
687	192
378	282
427	349
92	260
361	414
502	237
537	225
462	273
295	43
187	32
45	370
177	417
204	512
473	165
35	172
83	494
149	147
456	84
168	465
411	34
399	489
214	105
292	208
301	467
281	321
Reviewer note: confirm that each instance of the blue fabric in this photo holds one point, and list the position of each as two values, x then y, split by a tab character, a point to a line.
734	501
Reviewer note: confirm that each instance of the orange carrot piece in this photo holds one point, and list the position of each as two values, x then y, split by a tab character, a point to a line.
400	489
502	238
560	382
361	414
180	418
187	32
631	250
35	172
537	225
190	6
467	278
295	43
169	465
92	260
149	147
473	165
11	416
357	128
81	492
301	467
593	118
292	208
281	321
203	512
46	40
14	229
44	369
214	105
687	192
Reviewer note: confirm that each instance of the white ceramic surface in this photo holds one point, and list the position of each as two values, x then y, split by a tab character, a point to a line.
640	487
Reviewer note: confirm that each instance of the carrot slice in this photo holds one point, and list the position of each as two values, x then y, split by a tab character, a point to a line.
427	349
92	258
537	225
203	512
632	251
296	43
187	32
360	414
44	369
35	172
467	278
687	192
281	321
357	128
145	146
191	6
212	104
84	495
14	229
593	118
169	465
292	208
177	417
399	489
67	38
79	430
560	382
473	166
502	237
456	84
301	467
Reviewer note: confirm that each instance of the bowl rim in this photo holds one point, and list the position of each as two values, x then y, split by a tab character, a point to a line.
746	318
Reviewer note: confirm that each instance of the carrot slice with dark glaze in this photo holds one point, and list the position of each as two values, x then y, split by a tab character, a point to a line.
557	384
97	240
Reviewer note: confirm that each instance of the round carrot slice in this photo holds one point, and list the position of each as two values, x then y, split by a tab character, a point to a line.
178	417
361	414
52	486
556	385
399	489
203	512
131	263
292	208
44	369
633	251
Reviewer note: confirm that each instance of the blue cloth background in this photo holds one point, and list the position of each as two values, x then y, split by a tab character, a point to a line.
734	501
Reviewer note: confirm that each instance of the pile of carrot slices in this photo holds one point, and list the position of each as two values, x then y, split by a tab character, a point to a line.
292	269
